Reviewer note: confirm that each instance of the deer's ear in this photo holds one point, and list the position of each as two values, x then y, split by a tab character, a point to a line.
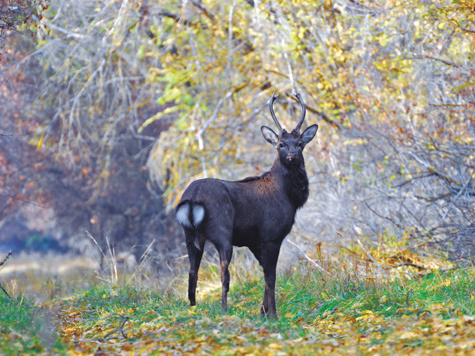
270	135
309	134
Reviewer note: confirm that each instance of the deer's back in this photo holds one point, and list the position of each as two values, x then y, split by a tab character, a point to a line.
249	212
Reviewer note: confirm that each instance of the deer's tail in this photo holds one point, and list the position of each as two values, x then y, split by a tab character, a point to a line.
190	215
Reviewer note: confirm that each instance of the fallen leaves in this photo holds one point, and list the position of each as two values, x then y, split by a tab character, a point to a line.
194	332
362	313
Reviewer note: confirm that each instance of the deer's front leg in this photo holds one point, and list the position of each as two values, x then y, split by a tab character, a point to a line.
269	264
265	304
269	295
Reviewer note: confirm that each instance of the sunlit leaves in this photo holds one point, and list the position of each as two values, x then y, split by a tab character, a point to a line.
351	69
375	298
326	313
394	76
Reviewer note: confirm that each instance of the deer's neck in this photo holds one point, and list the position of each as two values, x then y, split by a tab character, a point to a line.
295	182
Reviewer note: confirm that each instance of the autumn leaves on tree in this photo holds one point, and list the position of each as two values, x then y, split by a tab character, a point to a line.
391	83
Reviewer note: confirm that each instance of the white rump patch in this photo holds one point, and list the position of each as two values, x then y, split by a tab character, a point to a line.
182	215
198	214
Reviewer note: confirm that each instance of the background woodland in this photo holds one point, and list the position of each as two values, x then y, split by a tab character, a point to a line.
109	109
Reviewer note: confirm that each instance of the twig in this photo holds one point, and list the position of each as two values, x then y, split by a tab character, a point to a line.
6	258
384	217
63	31
446	180
122	320
369	255
1	264
110	315
144	260
452	203
436	59
97	244
15	197
6	293
204	10
319	113
309	259
384	267
113	268
11	134
176	18
121	325
420	268
210	120
289	68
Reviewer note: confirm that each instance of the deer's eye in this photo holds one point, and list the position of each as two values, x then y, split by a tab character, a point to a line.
299	144
281	145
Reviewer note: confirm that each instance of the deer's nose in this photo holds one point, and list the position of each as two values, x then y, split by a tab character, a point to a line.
291	156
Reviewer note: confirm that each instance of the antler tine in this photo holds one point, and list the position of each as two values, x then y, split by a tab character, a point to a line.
304	111
271	109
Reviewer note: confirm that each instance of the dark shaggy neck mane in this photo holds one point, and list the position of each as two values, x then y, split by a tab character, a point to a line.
297	185
295	182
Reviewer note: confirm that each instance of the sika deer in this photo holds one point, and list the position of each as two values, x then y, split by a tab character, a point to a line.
257	212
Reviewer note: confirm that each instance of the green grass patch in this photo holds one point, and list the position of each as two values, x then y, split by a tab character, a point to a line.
316	312
26	328
339	312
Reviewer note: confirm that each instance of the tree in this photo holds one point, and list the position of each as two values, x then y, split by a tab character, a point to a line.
15	14
85	157
370	70
391	82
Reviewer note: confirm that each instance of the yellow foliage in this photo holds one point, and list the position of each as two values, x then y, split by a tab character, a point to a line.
220	66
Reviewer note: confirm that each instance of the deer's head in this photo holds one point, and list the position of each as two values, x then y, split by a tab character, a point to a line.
289	145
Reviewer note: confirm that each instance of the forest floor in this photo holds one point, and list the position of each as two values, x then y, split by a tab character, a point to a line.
357	301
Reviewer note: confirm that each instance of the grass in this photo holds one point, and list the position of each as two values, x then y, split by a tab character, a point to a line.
354	307
27	329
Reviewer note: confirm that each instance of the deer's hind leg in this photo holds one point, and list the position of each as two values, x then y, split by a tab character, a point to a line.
225	255
195	256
